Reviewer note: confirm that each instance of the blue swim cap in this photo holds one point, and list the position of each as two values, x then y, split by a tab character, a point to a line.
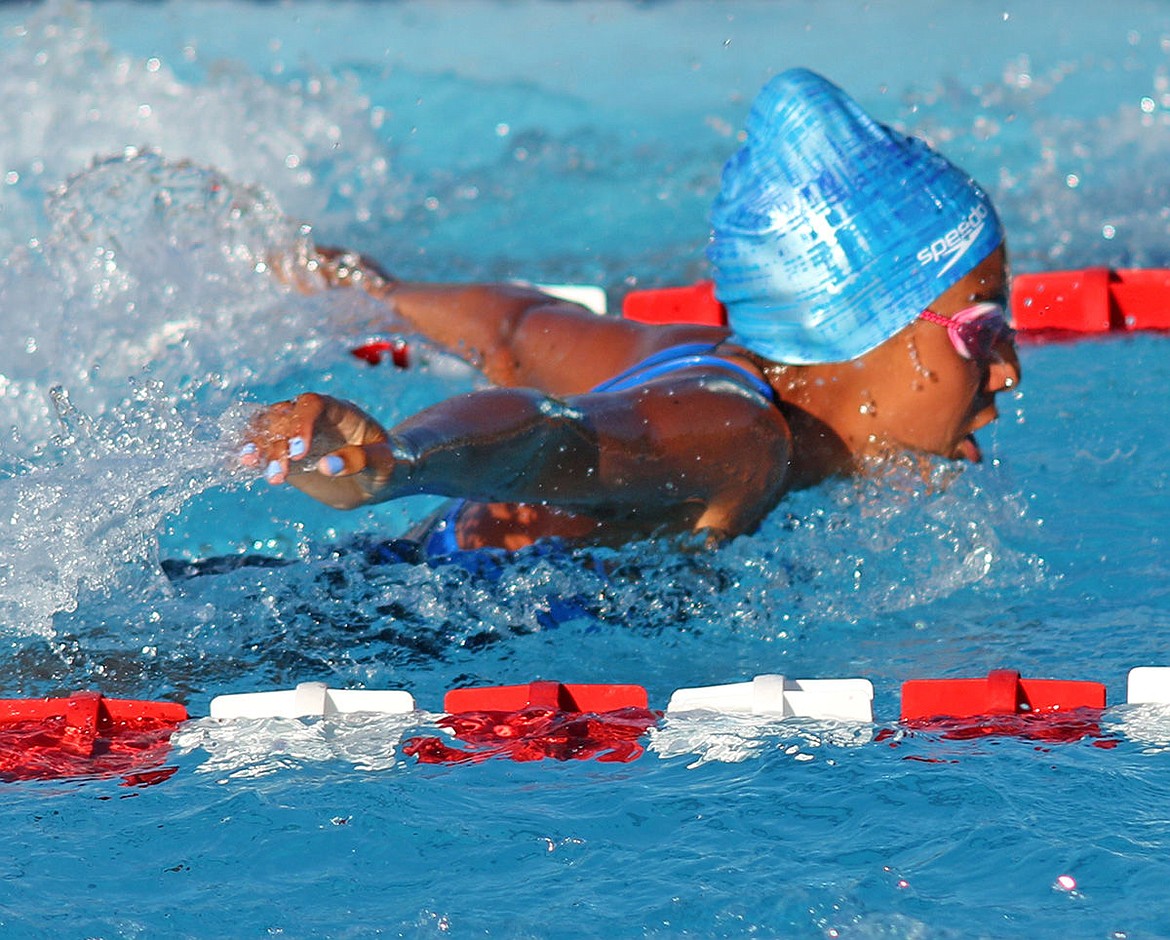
832	232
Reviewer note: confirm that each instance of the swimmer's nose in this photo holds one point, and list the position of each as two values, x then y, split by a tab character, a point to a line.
1004	373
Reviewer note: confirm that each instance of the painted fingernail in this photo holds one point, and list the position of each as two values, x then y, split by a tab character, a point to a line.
272	471
332	465
247	452
296	447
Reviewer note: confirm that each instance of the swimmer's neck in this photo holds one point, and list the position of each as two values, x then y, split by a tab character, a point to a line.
818	452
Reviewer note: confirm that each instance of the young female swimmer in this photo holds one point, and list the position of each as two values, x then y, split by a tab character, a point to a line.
864	278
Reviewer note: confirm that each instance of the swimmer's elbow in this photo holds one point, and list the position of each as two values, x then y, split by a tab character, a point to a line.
746	497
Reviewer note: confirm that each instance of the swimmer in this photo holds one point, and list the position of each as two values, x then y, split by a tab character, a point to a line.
864	278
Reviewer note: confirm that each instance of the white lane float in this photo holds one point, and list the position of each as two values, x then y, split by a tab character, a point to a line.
1148	685
310	700
782	697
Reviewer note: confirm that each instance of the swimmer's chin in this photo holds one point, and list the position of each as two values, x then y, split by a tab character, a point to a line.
968	449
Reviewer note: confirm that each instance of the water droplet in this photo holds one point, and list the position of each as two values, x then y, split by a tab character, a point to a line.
918	366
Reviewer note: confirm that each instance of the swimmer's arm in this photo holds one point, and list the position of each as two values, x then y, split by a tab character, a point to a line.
711	449
516	335
519	336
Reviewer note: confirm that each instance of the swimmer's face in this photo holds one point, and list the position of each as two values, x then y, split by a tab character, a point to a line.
920	391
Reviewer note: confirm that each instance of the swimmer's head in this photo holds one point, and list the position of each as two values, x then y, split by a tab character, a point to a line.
832	232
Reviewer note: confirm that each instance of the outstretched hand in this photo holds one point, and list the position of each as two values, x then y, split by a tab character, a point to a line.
325	447
326	267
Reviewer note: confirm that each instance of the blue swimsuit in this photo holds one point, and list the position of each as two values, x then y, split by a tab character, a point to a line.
441	540
675	358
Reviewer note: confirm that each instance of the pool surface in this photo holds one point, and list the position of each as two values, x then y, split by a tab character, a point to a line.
158	160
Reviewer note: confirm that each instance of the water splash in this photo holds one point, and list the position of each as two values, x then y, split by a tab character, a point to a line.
147	266
89	519
1077	186
311	139
711	737
117	380
903	536
249	748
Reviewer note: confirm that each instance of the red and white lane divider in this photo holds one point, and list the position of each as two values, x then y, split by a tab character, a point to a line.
1089	300
87	735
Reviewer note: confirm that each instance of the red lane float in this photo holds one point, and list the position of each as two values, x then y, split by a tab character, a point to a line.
1091	300
1002	692
86	735
546	694
695	303
540	720
1004	704
374	352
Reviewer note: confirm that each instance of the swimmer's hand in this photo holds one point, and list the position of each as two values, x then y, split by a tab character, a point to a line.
332	267
328	448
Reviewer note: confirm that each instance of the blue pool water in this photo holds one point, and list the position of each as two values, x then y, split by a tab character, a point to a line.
155	158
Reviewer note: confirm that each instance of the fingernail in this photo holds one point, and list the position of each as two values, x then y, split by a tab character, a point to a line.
296	447
272	471
332	465
247	452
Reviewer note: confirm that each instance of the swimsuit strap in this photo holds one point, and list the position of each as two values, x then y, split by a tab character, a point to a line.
654	359
441	541
683	356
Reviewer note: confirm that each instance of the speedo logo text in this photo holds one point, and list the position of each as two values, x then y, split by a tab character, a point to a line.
954	244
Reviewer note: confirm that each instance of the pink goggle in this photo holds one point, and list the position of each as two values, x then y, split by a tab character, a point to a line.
974	331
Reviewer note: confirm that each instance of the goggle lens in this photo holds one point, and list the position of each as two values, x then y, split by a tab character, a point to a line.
975	331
